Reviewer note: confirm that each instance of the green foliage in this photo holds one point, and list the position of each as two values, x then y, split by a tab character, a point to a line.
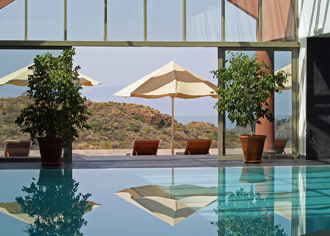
57	108
106	144
117	135
139	118
244	87
214	136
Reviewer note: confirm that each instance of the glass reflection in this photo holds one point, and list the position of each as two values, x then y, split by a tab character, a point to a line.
52	205
246	213
243	212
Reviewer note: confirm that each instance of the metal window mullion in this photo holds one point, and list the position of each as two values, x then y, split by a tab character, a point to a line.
249	46
105	20
296	17
145	20
184	20
260	21
65	20
223	21
221	118
295	102
26	21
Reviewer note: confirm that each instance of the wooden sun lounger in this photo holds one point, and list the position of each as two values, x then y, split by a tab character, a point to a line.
17	148
197	147
145	147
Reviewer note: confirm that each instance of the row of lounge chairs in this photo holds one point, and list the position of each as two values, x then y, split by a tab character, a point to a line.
193	147
141	147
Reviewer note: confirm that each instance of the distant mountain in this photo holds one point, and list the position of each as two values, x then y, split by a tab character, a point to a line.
116	126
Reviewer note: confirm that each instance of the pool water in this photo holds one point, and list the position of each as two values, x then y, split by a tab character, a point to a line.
180	201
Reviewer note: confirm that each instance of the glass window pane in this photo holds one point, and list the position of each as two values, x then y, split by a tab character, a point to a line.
233	143
203	20
282	112
165	20
283	104
12	21
125	20
85	20
241	20
45	20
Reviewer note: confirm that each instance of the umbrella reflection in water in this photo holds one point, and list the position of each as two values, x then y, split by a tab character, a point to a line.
171	204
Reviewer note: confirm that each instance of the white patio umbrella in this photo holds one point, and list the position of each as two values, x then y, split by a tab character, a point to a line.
288	83
20	78
170	80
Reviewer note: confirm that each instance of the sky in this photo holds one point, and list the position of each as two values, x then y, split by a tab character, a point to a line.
117	67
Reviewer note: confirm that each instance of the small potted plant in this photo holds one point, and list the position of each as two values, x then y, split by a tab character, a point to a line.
244	87
57	110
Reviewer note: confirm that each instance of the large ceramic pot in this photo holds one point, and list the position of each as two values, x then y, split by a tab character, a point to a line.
50	151
279	145
253	147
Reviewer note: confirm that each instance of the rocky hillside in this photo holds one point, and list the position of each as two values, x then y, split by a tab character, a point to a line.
117	125
113	126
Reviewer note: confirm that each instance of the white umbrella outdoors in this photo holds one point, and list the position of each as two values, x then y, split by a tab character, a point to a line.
20	78
170	80
287	70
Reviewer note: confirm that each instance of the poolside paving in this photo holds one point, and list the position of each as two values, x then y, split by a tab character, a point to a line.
99	159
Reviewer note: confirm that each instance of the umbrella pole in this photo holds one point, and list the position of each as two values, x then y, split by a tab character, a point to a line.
172	143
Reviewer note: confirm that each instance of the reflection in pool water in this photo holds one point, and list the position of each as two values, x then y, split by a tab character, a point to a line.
52	205
203	201
171	204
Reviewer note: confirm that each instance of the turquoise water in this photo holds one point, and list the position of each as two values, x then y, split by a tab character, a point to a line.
184	201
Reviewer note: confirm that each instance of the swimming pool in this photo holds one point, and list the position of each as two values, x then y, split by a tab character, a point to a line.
181	201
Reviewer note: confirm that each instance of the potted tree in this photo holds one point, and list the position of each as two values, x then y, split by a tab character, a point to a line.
244	87
57	110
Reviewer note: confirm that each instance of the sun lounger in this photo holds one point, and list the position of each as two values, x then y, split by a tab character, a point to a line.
145	147
17	148
197	147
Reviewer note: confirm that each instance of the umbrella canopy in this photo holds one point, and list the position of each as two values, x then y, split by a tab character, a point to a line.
171	204
170	80
20	78
14	210
287	70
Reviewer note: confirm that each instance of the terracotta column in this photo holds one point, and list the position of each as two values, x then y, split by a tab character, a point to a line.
267	128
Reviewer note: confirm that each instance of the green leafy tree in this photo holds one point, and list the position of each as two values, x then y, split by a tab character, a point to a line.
57	109
244	87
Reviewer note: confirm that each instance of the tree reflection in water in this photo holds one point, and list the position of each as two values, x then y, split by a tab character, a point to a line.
55	205
246	213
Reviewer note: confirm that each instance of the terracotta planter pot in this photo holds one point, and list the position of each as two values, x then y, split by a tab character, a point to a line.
253	147
50	151
279	145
